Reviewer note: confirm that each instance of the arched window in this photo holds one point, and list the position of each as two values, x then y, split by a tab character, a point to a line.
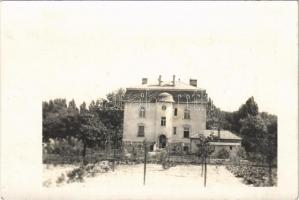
142	112
186	113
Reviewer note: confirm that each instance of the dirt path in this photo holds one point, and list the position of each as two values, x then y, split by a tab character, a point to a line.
126	176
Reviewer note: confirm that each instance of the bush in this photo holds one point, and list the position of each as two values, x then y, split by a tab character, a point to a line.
101	167
241	153
161	157
257	176
60	179
65	146
76	175
47	183
89	170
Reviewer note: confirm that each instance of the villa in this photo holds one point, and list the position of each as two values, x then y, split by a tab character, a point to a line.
170	114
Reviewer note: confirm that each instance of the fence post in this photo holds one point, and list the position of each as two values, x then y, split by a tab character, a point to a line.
114	146
113	162
144	169
205	178
202	165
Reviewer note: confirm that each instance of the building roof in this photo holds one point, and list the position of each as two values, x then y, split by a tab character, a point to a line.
180	92
224	134
224	143
165	86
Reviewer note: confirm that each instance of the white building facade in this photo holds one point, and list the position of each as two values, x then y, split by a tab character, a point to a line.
164	114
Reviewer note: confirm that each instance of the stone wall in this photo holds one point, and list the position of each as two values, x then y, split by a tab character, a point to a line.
137	148
179	148
232	148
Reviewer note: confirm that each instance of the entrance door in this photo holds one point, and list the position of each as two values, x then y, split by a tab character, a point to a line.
162	141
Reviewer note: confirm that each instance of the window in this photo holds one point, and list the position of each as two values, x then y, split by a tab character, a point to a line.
142	112
230	147
140	131
175	112
163	107
186	113
174	130
163	121
186	148
186	132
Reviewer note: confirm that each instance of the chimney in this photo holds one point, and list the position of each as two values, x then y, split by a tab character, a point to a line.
160	80
193	82
173	80
144	81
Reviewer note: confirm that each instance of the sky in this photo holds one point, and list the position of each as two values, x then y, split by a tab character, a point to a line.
84	50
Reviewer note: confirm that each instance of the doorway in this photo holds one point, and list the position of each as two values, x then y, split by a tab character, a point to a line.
162	141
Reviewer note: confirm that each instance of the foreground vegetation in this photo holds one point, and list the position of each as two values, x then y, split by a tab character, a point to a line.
80	173
257	176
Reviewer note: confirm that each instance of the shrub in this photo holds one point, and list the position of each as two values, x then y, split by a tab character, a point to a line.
161	157
65	146
241	153
76	175
47	183
60	179
256	176
89	170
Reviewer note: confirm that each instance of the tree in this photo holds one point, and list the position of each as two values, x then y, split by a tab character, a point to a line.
269	147
72	106
101	124
58	104
218	119
252	132
204	151
115	99
72	119
249	108
83	108
232	120
54	116
212	115
91	130
111	113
